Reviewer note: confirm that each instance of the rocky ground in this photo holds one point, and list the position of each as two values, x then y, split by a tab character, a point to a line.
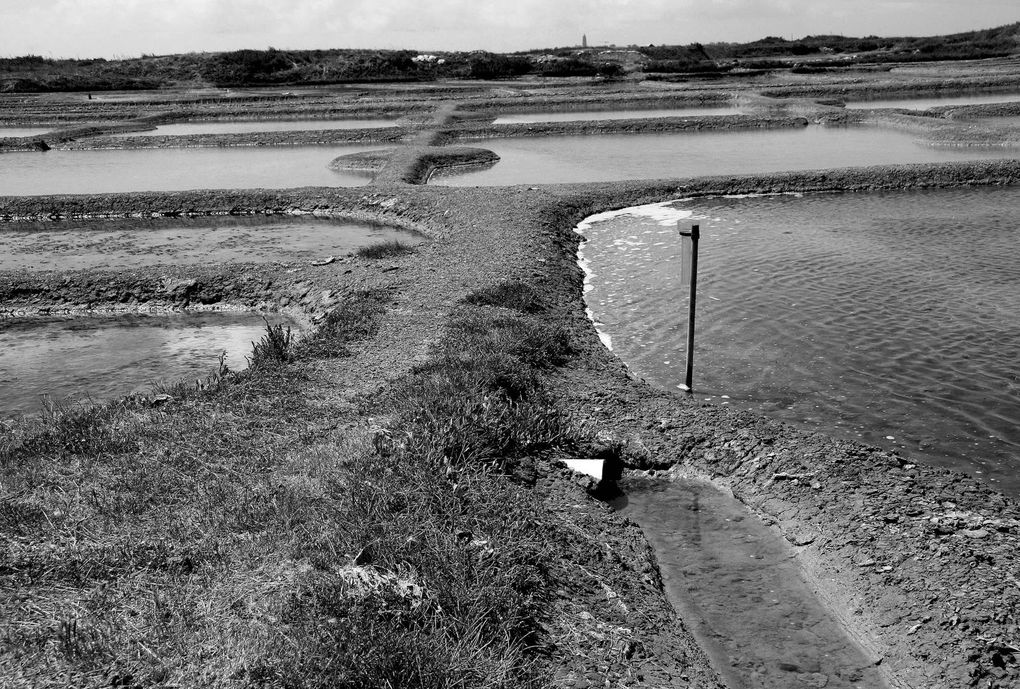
920	565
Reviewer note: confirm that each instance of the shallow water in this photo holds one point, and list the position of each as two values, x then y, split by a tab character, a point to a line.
735	583
174	169
24	131
889	318
133	243
925	103
69	359
238	127
586	115
555	159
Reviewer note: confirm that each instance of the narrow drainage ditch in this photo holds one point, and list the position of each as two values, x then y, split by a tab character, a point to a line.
736	584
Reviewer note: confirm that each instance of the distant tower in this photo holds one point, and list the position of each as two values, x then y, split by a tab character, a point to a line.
584	40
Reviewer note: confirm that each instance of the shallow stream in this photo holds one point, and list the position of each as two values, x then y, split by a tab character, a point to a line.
735	582
934	102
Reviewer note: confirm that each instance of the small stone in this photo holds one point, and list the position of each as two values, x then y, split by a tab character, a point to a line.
974	533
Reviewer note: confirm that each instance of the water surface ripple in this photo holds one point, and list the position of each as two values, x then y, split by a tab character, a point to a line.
886	317
69	359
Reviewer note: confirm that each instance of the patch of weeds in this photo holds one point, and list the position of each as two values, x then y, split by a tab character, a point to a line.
386	249
444	585
534	343
65	428
480	400
515	295
275	347
353	319
490	430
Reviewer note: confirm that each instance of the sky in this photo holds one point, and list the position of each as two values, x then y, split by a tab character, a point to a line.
129	28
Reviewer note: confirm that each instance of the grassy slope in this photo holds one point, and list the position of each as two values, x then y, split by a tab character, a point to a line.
256	533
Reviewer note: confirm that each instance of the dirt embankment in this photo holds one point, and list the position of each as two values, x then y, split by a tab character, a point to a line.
896	86
473	131
309	137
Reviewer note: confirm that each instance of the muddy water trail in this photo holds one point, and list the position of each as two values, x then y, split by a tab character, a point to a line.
738	586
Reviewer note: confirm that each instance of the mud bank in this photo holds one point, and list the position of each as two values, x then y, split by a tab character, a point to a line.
308	137
896	86
636	126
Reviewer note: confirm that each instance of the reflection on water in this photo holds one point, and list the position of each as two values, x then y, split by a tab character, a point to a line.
934	102
586	115
133	242
885	317
239	127
174	169
108	357
733	580
554	159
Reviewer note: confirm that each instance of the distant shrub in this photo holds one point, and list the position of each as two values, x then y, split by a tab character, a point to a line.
493	66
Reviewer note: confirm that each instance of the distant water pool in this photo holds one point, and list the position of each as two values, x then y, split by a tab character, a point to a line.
586	115
134	242
24	131
605	158
242	127
99	358
174	169
934	102
889	318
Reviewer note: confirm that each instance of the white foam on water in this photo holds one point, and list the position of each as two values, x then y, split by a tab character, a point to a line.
663	214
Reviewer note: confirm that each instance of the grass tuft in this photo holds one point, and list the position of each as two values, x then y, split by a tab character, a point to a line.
275	347
515	295
387	249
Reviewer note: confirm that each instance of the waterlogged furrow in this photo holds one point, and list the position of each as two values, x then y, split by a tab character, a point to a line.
736	583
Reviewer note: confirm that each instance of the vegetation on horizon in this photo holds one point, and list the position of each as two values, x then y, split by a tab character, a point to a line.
292	67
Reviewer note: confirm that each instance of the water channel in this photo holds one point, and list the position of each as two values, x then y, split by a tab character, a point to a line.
889	318
935	101
605	158
739	588
24	131
134	242
249	126
175	169
566	115
98	358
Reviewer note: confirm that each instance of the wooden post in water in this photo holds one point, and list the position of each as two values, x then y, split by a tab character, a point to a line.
689	268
